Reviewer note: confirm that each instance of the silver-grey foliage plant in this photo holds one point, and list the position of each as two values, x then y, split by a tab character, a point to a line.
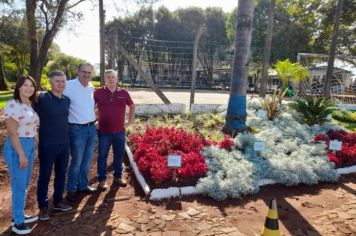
291	157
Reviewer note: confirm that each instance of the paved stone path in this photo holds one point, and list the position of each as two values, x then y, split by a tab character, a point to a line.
339	221
98	220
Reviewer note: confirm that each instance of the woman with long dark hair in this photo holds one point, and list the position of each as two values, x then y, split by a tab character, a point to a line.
21	125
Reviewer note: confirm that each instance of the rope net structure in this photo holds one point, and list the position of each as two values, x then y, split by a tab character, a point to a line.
169	64
343	83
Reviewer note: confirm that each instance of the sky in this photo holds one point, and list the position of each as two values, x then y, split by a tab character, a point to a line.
83	40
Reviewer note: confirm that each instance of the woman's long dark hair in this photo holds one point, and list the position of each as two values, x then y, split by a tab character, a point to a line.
20	81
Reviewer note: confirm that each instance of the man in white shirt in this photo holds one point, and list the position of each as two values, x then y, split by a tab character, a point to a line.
82	131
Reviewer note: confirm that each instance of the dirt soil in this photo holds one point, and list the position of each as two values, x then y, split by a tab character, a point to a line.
324	209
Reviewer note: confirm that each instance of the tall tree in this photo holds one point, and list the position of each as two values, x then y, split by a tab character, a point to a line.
267	49
329	71
3	82
323	31
15	36
65	63
236	111
215	41
48	17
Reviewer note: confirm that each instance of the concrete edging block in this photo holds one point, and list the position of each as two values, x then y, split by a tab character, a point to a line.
158	109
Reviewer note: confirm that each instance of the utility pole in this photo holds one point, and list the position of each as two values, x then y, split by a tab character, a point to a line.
102	30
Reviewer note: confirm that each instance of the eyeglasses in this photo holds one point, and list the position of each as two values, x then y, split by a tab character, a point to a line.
86	72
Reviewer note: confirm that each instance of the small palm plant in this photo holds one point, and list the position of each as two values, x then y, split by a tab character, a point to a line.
313	110
288	71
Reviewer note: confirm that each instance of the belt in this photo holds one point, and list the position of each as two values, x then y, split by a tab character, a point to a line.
85	125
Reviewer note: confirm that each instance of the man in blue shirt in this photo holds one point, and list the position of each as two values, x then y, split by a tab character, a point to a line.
53	110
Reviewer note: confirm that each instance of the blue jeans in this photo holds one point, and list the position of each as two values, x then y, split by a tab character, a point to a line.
49	155
82	141
20	178
117	140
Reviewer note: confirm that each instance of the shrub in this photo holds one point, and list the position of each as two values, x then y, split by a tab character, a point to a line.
290	158
312	110
342	115
273	104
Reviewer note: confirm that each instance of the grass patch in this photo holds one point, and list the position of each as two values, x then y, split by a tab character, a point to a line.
5	92
4	97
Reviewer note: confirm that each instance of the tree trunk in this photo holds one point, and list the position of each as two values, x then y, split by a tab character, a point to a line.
329	72
3	82
236	111
267	49
38	58
31	21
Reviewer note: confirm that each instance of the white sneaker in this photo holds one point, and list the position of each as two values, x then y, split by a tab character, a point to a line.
28	219
21	229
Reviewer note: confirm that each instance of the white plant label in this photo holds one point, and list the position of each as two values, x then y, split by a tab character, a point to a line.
335	145
174	161
259	146
262	113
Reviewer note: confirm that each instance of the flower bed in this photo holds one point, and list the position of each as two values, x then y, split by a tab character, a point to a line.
347	155
152	148
291	156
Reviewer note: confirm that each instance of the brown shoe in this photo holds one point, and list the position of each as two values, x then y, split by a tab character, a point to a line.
43	215
102	186
62	206
121	182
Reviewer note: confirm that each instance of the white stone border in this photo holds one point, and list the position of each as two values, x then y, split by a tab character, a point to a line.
159	109
137	173
161	193
346	170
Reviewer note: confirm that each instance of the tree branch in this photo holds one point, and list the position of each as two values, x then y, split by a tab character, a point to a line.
45	14
75	4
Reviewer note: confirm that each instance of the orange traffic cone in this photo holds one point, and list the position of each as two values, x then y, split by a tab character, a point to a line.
271	227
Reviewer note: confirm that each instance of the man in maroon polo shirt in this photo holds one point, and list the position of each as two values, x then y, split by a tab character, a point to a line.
111	102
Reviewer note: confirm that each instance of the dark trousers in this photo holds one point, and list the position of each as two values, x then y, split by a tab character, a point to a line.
49	156
106	140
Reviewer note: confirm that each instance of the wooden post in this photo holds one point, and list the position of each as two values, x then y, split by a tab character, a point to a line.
194	64
143	74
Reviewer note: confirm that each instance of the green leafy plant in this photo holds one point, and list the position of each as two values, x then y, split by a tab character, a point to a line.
287	72
342	115
313	110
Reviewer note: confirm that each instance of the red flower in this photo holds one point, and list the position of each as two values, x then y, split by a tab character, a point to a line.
347	155
321	137
227	143
334	159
